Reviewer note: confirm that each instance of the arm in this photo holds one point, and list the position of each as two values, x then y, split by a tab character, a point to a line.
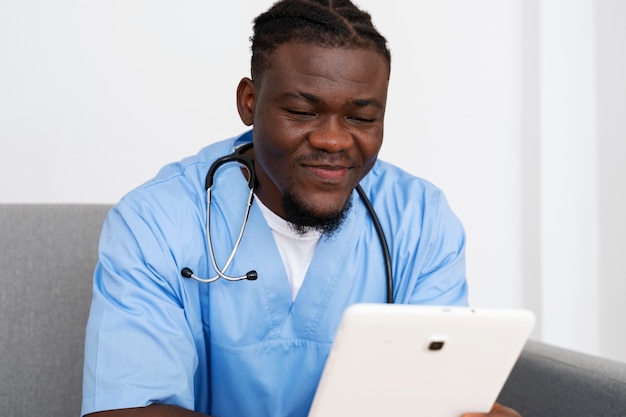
154	410
437	268
140	346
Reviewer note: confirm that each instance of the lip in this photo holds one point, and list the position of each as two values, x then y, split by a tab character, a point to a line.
328	172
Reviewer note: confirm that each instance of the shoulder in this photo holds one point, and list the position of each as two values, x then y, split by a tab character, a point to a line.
392	183
406	202
182	181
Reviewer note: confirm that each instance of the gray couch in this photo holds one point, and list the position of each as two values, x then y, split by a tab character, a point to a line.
47	255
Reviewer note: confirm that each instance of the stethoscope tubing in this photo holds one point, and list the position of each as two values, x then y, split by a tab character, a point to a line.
248	164
221	273
384	246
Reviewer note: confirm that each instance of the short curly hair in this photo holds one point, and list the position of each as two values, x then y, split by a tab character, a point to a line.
332	23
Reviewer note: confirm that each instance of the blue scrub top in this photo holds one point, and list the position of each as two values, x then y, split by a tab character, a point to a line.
245	348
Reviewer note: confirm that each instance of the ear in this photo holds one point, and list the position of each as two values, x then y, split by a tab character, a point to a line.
246	98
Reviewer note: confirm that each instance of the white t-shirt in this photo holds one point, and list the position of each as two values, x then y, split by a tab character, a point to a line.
296	250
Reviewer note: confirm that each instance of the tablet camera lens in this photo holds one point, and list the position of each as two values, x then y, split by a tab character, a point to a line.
436	345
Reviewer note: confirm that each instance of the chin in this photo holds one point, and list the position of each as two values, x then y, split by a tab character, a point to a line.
324	214
326	207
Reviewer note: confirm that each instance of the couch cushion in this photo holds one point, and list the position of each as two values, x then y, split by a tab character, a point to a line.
47	257
548	381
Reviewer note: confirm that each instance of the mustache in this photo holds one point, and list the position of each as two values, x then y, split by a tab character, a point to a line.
321	156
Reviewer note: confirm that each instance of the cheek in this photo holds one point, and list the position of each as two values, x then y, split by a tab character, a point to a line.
370	150
367	166
272	159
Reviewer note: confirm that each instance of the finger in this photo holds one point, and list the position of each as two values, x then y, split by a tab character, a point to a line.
498	410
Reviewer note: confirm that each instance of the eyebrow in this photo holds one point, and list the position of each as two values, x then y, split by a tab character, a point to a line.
364	102
358	102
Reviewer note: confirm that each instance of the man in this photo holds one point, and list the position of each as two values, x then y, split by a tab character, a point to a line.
160	344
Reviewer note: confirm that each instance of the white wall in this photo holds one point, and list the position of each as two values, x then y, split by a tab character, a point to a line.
568	166
96	96
574	124
610	56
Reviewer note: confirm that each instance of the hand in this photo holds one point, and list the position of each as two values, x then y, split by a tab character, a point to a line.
497	410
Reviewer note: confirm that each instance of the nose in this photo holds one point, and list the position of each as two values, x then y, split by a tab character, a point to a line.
331	136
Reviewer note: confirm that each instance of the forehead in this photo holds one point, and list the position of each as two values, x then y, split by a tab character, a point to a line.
320	67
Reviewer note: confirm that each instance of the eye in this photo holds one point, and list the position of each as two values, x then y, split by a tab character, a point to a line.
301	114
362	119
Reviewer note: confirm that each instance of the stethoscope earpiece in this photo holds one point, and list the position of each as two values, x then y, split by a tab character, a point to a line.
188	273
252	276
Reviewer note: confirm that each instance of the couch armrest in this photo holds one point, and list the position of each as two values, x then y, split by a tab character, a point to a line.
47	256
549	381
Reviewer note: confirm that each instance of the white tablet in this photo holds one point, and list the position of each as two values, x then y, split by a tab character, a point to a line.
407	360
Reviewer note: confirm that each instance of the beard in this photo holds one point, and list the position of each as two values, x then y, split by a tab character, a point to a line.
303	220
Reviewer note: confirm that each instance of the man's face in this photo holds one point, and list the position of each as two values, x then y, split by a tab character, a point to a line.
317	116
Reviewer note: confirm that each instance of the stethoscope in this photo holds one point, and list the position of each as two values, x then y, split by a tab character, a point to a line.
238	157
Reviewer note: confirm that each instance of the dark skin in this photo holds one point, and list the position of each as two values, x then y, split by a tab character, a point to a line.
318	117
